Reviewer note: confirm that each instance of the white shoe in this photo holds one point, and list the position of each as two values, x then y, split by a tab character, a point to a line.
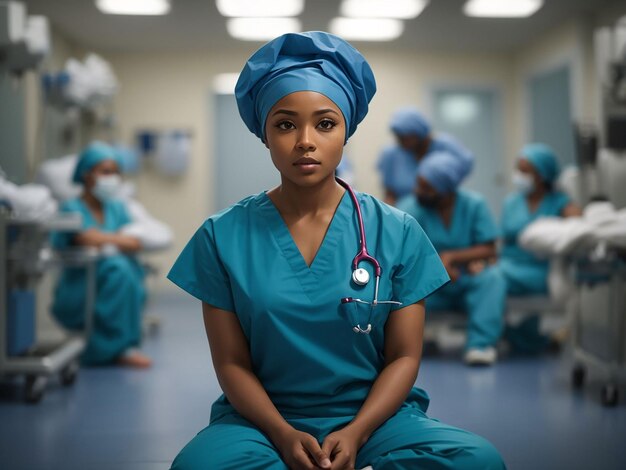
480	357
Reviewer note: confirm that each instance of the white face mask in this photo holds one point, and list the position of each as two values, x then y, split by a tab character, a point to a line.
107	187
523	182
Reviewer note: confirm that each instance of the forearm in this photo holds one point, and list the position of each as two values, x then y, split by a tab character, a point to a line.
247	395
125	243
474	253
386	395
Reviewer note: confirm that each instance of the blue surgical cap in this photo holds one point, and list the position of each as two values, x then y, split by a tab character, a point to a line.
312	61
544	160
93	154
409	121
443	171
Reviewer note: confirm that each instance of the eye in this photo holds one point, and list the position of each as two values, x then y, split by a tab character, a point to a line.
285	125
327	124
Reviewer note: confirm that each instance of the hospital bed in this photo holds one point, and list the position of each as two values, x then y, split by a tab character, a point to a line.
24	258
599	336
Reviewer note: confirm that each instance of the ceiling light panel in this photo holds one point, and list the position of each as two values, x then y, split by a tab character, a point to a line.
261	29
398	9
501	8
260	8
367	29
134	7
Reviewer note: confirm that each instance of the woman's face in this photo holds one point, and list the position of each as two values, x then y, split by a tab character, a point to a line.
104	168
426	194
524	166
305	133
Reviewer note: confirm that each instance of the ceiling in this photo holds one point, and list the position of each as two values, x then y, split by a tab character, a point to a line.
196	24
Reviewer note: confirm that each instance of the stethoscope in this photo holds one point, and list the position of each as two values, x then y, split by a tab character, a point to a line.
360	276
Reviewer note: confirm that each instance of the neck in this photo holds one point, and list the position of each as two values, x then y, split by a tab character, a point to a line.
301	200
537	193
447	202
92	201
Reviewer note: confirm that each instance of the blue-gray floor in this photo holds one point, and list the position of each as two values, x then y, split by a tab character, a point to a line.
138	420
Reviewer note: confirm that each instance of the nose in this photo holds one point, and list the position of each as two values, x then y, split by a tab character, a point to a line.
305	140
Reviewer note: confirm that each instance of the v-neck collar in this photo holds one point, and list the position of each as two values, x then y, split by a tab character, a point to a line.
87	210
323	262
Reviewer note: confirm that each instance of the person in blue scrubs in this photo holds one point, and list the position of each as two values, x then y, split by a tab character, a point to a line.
120	294
302	388
462	230
415	140
526	274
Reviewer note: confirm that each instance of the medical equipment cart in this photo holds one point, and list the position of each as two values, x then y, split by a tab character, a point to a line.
24	257
599	320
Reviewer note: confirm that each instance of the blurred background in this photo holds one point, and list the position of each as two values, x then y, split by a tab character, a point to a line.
495	83
155	79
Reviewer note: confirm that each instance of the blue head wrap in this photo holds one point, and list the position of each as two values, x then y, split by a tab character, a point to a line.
93	154
544	160
409	121
313	61
443	171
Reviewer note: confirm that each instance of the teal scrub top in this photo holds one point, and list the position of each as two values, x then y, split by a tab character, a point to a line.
471	223
302	346
115	217
516	216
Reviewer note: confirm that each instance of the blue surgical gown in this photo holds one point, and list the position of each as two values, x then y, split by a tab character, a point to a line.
398	166
482	295
120	294
525	273
315	369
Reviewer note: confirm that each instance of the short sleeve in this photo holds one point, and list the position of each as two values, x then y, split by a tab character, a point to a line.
483	226
200	271
562	201
122	214
420	272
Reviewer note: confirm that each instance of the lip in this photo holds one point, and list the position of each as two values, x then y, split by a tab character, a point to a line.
306	161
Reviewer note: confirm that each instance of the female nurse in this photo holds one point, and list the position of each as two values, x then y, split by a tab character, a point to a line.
304	388
116	325
460	226
414	141
535	197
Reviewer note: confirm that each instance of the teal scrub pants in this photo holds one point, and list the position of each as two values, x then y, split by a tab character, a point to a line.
120	297
408	440
482	297
525	278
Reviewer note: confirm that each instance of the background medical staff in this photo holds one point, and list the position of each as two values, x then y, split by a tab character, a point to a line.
536	196
460	226
116	324
414	140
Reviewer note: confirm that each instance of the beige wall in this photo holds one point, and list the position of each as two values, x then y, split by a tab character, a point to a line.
174	90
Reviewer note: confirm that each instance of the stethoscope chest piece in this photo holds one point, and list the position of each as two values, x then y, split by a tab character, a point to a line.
360	276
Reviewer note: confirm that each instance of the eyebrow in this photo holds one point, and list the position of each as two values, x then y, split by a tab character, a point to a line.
294	113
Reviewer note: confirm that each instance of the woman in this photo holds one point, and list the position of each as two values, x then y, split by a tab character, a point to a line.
116	325
460	226
414	141
536	196
305	386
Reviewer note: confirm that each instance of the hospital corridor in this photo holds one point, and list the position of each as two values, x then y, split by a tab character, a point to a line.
312	234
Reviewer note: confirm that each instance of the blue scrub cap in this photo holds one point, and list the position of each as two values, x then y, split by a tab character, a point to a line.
543	158
443	171
409	121
93	154
312	61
